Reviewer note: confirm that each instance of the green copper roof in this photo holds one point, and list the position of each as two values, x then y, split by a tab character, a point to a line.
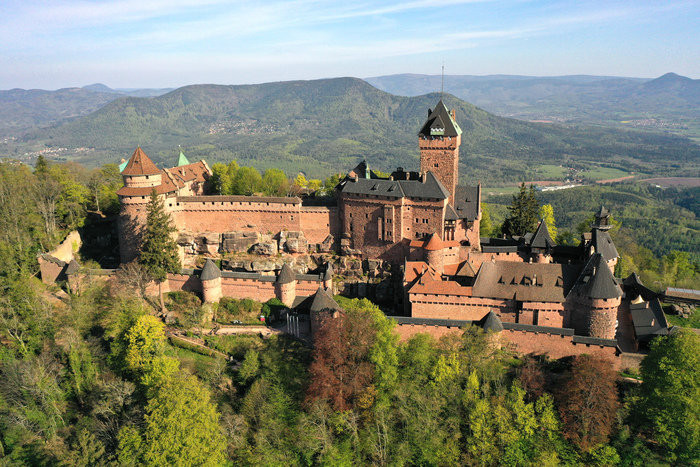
182	160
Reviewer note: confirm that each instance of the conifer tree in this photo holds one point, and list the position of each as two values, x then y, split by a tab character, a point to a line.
523	212
159	253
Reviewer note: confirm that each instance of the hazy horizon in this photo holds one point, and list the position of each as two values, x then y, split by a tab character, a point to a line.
172	43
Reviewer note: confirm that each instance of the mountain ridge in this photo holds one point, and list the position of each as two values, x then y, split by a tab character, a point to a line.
327	126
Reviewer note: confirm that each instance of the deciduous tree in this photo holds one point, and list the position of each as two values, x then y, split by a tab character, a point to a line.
669	402
588	401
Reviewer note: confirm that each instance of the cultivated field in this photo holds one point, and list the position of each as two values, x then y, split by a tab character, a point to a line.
673	181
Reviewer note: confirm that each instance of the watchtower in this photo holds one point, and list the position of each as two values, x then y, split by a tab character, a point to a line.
439	141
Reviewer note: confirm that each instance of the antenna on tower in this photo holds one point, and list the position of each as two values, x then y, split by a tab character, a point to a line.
442	85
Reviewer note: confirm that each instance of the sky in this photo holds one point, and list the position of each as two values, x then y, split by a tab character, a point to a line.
52	44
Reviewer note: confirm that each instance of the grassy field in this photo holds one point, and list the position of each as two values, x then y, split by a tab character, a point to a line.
603	173
551	172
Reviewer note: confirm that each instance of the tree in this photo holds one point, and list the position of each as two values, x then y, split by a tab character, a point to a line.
182	426
341	369
247	181
274	182
159	253
669	402
485	225
547	213
523	212
588	401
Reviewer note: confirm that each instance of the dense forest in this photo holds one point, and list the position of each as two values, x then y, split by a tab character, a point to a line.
95	379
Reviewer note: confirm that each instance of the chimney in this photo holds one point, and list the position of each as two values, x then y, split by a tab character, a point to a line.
452	113
423	177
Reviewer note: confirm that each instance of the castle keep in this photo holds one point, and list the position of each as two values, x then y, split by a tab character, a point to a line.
422	220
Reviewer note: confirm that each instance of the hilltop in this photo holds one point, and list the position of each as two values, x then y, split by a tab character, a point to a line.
325	126
668	103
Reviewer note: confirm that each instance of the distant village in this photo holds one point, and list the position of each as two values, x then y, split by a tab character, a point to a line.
412	237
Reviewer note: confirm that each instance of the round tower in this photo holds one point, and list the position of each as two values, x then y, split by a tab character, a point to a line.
593	302
434	255
211	282
140	176
286	286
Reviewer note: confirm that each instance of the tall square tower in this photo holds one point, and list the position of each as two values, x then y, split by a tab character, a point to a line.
439	141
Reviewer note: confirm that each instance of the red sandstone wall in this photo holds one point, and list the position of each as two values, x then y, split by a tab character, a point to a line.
247	288
556	346
225	216
441	156
460	307
318	222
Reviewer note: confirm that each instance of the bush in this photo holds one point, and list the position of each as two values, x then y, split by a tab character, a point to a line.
231	309
272	309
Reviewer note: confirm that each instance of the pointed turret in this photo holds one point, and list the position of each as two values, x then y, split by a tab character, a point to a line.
140	164
211	282
210	271
182	160
491	323
286	285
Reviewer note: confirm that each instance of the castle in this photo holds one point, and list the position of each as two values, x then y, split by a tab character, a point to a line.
423	220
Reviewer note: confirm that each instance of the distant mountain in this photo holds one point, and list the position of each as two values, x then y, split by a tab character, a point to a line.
22	110
671	102
134	92
325	126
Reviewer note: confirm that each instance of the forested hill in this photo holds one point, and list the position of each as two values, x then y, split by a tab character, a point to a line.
325	126
669	102
22	110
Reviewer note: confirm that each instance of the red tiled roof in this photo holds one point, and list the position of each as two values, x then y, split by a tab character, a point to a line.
430	285
434	243
140	164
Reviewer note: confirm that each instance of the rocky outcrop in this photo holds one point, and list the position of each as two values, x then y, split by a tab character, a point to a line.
239	241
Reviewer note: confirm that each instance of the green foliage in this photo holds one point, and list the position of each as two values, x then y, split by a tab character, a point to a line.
670	394
182	426
547	213
523	213
247	181
159	253
232	309
274	183
485	225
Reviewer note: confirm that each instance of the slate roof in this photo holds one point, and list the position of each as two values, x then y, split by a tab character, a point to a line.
466	270
52	259
603	244
467	202
210	271
328	274
491	322
649	320
541	238
240	199
323	301
537	282
596	280
431	189
140	164
440	123
286	275
451	214
73	267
